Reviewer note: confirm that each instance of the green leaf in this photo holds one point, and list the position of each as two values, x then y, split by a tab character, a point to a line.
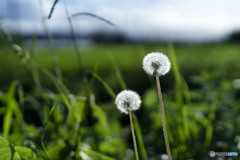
25	152
103	126
7	121
10	101
12	89
12	108
78	111
96	155
7	150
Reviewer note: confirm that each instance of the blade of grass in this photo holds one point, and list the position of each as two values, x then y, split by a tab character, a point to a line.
35	75
44	148
47	31
50	115
96	155
139	137
211	117
73	37
12	107
118	73
186	91
179	95
94	16
7	121
52	9
16	110
20	94
105	85
91	81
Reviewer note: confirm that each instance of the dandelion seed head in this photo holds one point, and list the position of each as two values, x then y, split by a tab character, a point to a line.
128	100
236	83
156	63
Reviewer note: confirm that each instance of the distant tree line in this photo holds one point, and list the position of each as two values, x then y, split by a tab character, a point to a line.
234	37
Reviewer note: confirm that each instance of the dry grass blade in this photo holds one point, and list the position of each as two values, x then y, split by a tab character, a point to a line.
52	9
92	15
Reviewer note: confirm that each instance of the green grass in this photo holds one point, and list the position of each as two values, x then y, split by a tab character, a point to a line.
128	57
221	59
76	118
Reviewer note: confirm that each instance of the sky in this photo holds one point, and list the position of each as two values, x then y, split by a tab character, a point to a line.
189	20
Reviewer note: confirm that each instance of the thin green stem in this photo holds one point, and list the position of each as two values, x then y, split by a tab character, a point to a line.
43	146
163	119
133	135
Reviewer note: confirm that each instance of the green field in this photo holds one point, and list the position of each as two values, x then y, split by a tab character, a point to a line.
46	117
192	60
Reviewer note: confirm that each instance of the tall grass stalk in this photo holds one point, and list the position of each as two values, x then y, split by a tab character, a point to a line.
47	31
133	135
52	9
43	146
182	93
73	37
163	119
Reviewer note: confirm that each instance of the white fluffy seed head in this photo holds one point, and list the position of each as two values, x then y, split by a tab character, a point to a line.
156	63
128	100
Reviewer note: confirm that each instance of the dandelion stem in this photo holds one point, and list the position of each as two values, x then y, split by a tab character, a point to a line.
133	135
163	119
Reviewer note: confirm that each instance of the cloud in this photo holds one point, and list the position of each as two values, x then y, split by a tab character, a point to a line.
189	19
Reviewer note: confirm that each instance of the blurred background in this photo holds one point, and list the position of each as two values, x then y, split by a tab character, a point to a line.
63	62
